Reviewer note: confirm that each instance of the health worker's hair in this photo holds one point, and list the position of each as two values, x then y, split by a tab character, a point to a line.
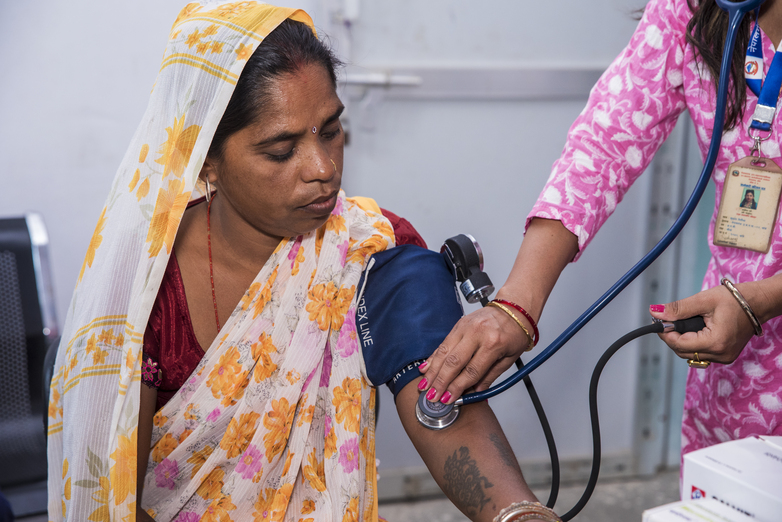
706	31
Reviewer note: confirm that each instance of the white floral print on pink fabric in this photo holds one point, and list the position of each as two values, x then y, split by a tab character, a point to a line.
631	111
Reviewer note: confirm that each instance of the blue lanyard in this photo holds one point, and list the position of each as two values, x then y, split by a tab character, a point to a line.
767	91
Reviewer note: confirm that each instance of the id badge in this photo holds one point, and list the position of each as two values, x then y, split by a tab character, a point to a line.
750	201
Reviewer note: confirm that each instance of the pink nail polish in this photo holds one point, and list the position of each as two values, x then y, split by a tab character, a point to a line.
422	366
446	397
422	385
431	394
657	308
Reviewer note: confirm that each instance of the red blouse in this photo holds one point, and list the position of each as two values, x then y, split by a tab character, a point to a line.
171	350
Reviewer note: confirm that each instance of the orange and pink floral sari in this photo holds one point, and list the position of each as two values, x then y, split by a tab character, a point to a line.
276	423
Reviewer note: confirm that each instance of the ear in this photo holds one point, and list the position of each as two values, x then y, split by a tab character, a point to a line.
209	170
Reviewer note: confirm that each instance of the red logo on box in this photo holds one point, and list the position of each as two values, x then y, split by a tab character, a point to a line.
697	493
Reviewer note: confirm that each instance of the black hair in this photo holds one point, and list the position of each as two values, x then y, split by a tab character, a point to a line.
749	191
287	49
706	32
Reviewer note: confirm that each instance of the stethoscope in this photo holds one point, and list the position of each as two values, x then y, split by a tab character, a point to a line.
438	416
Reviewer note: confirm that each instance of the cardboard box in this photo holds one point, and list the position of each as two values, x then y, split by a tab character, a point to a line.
744	474
703	510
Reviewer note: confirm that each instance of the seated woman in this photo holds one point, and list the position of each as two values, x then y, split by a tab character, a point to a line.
211	369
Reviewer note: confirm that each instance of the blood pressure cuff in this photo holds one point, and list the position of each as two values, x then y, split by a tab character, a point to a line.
409	304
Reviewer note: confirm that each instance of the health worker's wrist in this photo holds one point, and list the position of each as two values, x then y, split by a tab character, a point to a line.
765	297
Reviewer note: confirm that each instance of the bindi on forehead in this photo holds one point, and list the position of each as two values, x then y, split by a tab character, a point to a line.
296	107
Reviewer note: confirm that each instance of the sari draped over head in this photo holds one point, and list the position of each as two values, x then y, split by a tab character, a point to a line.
276	423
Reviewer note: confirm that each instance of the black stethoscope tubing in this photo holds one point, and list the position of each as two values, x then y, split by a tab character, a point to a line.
736	12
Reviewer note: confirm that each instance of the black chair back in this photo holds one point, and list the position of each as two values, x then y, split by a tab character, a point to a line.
27	326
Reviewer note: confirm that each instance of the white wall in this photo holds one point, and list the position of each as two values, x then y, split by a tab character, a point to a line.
74	84
554	32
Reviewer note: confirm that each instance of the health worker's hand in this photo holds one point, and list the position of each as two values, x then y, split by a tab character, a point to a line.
480	347
727	331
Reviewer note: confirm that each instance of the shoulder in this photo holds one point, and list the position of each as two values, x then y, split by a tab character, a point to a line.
654	59
404	232
668	11
663	24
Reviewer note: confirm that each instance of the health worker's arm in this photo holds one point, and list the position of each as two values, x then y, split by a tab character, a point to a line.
631	111
486	342
728	329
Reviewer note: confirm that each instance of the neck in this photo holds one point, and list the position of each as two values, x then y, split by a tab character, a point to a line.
771	20
240	245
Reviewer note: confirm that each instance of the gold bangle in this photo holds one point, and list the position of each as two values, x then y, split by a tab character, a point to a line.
519	511
507	310
744	306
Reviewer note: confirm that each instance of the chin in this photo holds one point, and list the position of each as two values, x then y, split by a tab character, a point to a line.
306	227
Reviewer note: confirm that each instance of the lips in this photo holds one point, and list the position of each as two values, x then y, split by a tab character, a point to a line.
322	205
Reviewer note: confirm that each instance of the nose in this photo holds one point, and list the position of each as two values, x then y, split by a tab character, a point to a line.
320	166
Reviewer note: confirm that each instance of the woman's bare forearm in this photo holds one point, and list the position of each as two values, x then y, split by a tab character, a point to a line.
471	460
547	249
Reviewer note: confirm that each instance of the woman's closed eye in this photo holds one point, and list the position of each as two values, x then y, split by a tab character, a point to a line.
281	157
330	134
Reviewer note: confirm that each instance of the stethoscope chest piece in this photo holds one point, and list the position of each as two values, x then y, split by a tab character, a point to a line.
435	415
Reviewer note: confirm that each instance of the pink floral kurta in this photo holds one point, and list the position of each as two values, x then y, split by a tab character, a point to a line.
631	111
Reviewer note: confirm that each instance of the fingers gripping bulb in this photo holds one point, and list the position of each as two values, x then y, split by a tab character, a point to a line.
692	324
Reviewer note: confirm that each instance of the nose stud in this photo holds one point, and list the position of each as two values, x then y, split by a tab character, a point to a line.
335	165
314	130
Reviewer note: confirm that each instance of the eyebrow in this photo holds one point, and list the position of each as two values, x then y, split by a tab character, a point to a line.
287	136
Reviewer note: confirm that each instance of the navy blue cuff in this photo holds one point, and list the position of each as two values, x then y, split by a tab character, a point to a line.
404	376
409	305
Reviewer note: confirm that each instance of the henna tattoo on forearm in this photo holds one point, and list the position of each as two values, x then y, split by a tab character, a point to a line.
506	454
463	482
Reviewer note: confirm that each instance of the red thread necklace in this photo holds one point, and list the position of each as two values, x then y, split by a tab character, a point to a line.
211	269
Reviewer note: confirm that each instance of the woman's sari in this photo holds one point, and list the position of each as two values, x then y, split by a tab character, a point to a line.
276	423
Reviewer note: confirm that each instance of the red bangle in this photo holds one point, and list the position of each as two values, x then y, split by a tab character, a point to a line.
536	336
